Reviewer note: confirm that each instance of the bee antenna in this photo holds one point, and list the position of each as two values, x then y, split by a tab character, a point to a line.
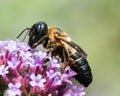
25	36
22	33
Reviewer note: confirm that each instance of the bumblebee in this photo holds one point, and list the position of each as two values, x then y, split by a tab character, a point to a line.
58	43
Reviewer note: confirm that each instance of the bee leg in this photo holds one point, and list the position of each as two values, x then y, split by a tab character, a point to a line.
66	57
49	50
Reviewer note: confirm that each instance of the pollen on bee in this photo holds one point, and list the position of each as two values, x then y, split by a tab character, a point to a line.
68	38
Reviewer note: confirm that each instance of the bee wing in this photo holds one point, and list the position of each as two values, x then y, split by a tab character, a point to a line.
72	44
79	49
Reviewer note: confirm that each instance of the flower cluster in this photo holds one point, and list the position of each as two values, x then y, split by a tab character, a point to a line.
28	72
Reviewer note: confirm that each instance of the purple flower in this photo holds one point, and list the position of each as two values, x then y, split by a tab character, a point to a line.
54	63
74	91
22	46
78	90
13	89
57	81
30	61
38	61
11	46
25	55
2	44
68	73
41	54
29	72
51	73
37	80
13	63
3	70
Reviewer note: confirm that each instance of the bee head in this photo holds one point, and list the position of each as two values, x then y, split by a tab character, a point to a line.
37	34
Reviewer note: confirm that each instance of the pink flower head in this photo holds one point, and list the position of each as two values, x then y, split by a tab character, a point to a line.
28	72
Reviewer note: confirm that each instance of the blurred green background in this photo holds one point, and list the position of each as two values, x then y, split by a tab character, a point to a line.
92	24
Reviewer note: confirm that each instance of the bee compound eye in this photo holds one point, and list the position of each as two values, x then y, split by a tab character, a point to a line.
41	28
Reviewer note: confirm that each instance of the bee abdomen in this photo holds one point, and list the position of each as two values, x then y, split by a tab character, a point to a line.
83	70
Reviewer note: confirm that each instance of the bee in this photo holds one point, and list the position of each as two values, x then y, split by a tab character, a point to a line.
58	43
